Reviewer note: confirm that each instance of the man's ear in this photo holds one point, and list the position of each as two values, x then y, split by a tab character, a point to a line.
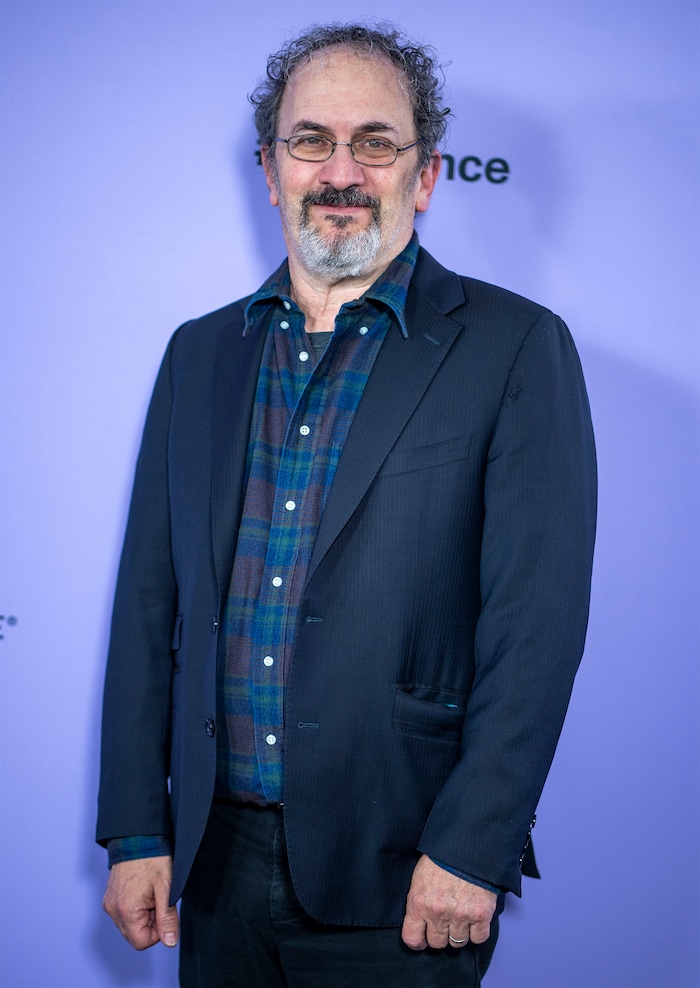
428	177
270	168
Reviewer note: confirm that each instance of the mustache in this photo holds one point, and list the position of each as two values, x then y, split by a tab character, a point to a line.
352	196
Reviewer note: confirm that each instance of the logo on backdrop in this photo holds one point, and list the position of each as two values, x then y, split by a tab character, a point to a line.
468	168
10	621
473	169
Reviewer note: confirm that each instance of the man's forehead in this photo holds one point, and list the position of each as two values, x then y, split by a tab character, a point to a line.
330	67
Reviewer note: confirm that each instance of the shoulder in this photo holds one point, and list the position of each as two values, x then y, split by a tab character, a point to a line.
205	331
500	332
469	300
199	345
495	323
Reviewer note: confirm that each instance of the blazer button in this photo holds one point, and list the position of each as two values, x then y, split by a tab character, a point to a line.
210	727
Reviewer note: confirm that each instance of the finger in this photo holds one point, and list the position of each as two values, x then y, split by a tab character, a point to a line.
141	933
436	936
458	938
479	932
413	933
166	919
137	927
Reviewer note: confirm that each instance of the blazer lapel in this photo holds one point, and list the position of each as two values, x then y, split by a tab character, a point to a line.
233	397
401	374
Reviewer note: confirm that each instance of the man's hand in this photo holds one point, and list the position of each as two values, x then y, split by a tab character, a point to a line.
137	900
440	904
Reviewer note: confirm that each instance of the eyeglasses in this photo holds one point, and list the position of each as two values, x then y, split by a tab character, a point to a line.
373	151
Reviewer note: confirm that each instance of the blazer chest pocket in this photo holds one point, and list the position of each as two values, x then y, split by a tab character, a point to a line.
427	455
429	713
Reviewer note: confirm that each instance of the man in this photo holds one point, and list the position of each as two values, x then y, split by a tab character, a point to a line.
354	587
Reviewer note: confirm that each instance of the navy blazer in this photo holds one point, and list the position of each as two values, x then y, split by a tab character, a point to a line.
442	621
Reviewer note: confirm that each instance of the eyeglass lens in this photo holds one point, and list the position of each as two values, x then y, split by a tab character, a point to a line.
371	150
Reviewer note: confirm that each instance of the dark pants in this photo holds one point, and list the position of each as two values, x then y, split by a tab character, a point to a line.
243	926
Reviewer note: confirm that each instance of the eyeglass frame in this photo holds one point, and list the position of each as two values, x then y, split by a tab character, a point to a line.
335	144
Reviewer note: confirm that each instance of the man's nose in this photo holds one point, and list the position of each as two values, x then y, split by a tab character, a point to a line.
341	170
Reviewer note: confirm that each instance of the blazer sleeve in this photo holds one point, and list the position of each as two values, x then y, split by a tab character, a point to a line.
535	570
133	797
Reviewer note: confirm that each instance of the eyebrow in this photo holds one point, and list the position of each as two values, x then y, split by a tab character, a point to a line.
371	127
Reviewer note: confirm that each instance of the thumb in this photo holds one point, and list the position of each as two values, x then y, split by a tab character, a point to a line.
167	923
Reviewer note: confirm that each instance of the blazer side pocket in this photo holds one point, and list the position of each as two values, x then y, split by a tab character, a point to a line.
428	713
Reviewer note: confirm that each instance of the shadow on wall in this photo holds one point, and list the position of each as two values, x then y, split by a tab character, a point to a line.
263	219
509	187
619	791
493	131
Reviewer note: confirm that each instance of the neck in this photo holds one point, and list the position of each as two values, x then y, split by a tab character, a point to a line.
319	299
320	302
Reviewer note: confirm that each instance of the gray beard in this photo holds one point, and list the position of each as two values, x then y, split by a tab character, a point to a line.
346	255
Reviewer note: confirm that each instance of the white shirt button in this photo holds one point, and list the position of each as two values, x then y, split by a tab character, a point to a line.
290	505
286	304
284	324
363	330
277	581
304	430
271	739
303	356
268	660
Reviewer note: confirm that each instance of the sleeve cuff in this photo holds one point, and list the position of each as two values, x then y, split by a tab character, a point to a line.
468	878
131	848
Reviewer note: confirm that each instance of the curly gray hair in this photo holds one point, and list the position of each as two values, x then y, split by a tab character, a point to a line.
418	65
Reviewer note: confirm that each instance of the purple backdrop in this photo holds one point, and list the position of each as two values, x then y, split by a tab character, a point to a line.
132	200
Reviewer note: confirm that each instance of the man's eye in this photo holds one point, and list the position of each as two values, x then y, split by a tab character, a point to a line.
310	141
375	144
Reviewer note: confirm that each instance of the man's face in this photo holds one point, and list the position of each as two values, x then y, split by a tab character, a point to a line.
342	219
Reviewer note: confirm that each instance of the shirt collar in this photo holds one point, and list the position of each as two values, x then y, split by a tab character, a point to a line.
390	289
